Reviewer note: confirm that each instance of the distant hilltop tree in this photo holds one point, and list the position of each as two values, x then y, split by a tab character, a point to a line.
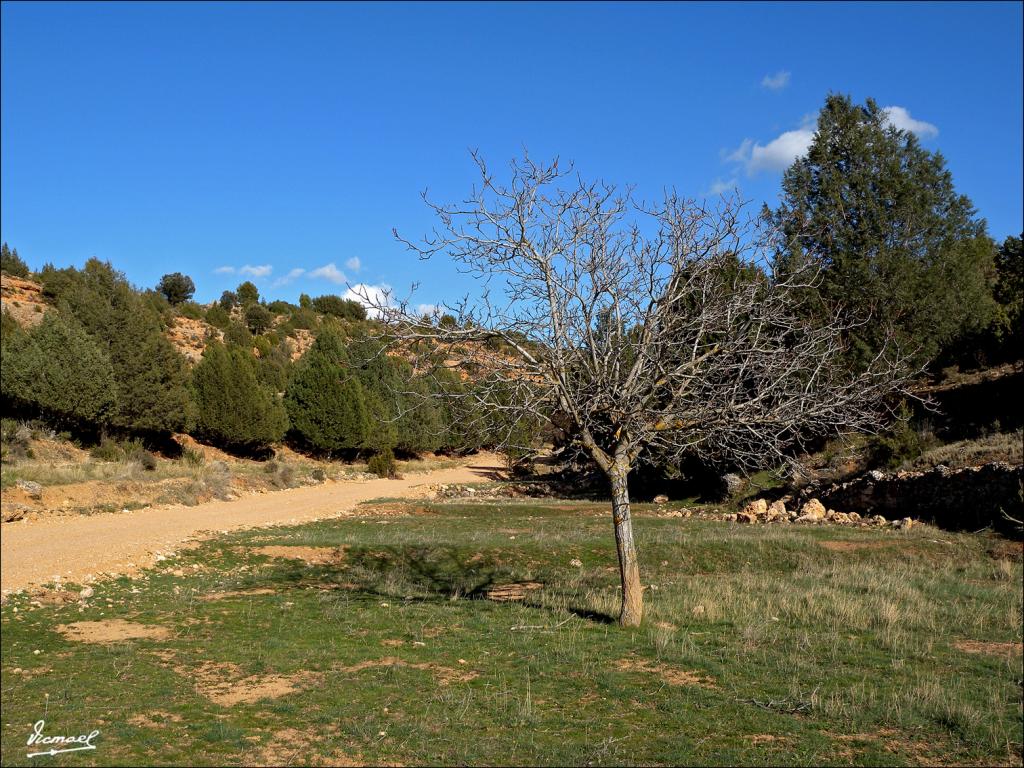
11	263
247	293
176	288
335	306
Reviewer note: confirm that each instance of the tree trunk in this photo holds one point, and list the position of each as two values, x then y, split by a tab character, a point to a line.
629	569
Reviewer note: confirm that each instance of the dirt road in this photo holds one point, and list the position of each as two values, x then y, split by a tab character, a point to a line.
75	548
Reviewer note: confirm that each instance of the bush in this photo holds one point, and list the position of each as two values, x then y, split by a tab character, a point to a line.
191	310
192	457
176	287
107	450
258	319
218	317
238	335
383	464
335	306
228	300
11	263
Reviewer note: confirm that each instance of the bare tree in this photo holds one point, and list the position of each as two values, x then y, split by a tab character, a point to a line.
642	329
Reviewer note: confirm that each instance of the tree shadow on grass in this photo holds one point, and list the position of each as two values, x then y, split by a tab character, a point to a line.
430	574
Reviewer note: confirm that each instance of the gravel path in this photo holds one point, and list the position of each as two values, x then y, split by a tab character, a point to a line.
79	547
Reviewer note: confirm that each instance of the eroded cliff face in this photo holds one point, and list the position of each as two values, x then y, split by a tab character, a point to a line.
961	499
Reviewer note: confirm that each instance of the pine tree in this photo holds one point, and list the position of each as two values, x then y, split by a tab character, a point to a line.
61	371
325	402
899	248
232	408
11	263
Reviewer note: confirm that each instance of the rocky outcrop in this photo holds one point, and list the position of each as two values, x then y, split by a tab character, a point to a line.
962	499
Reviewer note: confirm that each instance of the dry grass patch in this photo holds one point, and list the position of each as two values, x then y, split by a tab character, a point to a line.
112	631
444	675
213	596
155	719
992	649
853	546
310	555
665	673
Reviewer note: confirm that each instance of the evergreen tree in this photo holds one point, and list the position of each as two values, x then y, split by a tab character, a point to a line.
1009	294
176	287
325	402
60	370
232	408
247	294
258	318
11	263
151	376
228	300
898	247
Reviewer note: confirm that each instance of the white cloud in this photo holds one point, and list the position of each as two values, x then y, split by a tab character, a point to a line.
261	270
719	187
328	272
426	309
224	271
354	264
776	82
371	297
292	274
777	155
900	118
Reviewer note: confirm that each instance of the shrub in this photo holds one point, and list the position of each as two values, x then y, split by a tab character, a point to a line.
191	310
335	306
238	335
228	300
383	464
107	450
303	318
218	317
176	287
258	319
192	457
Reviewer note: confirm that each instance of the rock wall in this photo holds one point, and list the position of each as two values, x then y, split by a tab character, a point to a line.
962	499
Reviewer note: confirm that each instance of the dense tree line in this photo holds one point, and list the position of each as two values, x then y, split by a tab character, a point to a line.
102	363
899	251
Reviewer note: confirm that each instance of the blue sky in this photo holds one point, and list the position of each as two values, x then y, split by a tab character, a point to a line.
233	141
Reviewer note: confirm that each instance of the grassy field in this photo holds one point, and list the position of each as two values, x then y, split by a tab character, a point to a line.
396	637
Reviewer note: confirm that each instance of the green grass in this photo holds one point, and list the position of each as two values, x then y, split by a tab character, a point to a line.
761	645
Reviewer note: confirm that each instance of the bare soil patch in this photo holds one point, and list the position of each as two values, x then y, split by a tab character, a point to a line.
290	746
309	555
991	649
222	683
444	675
670	675
112	631
155	719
